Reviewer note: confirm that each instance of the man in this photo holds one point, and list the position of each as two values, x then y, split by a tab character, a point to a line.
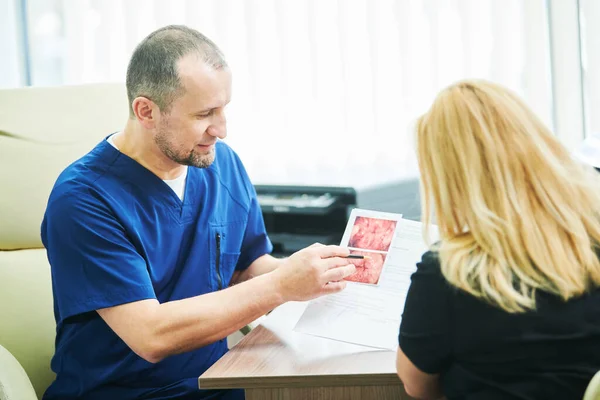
148	233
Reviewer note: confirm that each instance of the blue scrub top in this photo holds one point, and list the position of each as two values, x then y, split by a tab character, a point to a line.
116	233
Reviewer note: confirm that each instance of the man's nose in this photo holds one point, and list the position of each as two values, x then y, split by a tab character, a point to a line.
218	127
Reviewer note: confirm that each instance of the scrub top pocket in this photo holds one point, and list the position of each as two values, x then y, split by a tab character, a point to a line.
226	245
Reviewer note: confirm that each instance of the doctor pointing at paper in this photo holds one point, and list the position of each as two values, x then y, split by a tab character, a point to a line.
507	304
156	241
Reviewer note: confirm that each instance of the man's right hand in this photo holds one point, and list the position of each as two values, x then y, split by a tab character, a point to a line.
312	272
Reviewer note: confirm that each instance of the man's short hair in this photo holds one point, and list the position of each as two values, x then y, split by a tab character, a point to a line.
152	70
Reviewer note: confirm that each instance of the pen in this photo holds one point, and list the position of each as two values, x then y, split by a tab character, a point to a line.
358	257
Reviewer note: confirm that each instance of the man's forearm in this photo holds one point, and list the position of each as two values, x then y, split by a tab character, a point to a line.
155	331
260	266
188	324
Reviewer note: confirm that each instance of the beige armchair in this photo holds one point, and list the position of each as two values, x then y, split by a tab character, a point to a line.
42	130
593	389
14	382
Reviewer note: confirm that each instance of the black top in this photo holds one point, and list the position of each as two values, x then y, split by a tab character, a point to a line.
483	352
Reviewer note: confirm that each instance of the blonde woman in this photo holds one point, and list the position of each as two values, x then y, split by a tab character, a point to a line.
507	304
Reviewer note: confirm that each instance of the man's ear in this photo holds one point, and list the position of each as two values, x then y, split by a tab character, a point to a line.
145	111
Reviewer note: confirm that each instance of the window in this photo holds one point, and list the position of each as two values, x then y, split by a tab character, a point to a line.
332	86
589	14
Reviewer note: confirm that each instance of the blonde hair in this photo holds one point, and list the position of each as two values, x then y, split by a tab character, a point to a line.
516	213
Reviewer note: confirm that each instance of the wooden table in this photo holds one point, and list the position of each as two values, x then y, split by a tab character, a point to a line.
274	362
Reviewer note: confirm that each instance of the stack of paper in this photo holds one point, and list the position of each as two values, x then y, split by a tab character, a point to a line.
368	311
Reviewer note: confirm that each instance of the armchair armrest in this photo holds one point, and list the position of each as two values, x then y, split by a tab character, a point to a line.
14	382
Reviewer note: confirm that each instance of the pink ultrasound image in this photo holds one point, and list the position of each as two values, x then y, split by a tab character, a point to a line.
367	270
372	233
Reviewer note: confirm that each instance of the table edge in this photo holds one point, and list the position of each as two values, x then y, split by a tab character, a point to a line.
295	381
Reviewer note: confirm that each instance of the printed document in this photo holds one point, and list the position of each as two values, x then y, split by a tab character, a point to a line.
368	311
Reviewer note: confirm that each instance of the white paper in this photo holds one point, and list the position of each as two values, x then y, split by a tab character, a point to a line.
369	314
281	322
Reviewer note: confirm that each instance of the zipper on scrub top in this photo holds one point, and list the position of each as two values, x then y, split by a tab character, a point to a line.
218	261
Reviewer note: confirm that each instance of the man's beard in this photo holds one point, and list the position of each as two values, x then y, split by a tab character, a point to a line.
192	158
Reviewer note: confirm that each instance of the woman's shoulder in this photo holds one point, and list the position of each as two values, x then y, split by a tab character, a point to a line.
429	272
430	262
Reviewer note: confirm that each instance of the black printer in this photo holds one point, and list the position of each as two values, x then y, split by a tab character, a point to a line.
298	216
